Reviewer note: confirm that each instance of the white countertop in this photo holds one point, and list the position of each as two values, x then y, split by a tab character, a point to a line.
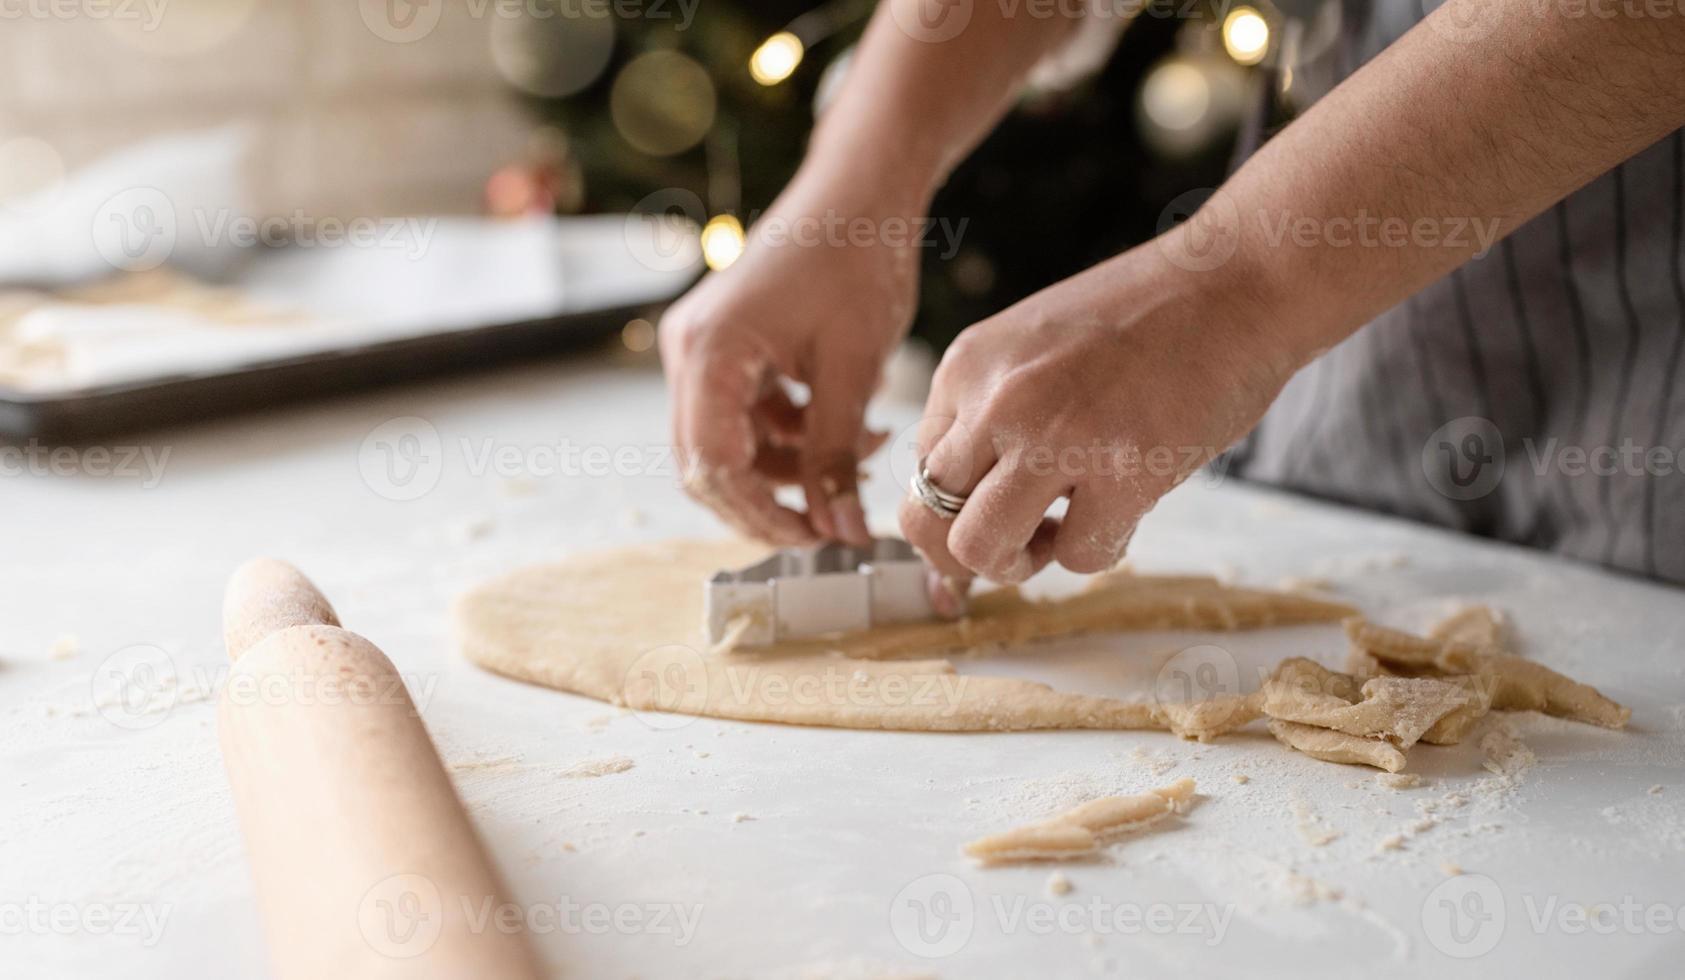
799	852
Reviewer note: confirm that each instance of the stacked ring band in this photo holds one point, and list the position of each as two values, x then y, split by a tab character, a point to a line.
940	502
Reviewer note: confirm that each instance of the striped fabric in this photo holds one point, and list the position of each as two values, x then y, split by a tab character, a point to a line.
1532	395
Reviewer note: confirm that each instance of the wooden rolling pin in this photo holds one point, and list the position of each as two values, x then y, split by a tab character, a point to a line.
364	861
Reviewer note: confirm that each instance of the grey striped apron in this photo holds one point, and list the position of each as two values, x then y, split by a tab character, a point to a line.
1532	395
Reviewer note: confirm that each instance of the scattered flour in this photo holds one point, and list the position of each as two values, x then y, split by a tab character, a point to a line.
592	768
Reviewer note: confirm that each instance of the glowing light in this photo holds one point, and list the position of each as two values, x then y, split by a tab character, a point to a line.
722	241
638	335
662	103
1176	96
1246	35
776	59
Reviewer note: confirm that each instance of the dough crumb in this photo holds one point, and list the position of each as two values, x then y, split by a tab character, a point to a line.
66	646
1082	831
1241	778
1398	780
1656	790
741	818
1312	828
1058	884
1393	842
1451	869
592	768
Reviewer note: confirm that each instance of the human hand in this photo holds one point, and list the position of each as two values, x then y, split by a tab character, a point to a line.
802	304
1107	389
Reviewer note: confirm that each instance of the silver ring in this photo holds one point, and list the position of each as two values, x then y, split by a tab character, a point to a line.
938	501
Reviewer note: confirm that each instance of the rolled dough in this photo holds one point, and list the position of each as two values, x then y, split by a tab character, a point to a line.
625	626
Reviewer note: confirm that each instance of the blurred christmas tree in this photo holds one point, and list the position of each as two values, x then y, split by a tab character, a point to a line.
718	100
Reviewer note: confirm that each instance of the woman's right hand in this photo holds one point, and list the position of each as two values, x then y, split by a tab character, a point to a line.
821	296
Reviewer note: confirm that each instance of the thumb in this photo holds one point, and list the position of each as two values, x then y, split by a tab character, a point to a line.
836	421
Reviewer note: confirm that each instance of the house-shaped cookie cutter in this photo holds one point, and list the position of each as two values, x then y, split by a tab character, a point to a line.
834	588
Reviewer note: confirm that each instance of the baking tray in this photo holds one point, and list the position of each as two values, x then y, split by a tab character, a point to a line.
482	293
92	413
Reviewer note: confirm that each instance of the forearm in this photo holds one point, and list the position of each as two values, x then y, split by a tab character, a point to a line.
1436	149
912	106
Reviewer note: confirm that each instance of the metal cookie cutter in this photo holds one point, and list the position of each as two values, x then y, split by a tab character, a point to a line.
834	588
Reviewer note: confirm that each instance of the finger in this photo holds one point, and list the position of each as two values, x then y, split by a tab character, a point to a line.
836	420
956	461
717	439
1095	531
996	533
746	502
948	580
776	417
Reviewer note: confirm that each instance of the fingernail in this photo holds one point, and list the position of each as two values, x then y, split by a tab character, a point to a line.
945	596
849	521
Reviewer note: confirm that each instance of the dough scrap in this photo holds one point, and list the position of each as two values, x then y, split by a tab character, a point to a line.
1479	625
1332	746
1205	720
1081	832
624	626
1398	709
1510	682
